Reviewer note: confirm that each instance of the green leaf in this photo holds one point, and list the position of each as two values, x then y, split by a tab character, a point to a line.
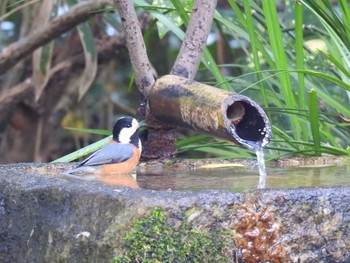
207	58
299	54
84	151
314	116
280	58
172	15
92	131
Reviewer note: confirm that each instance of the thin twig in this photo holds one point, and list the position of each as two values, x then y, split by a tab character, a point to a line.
77	14
187	62
136	46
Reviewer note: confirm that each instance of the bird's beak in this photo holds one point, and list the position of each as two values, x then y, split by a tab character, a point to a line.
142	124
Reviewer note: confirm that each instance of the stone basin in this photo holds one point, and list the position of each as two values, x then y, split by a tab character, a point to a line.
45	217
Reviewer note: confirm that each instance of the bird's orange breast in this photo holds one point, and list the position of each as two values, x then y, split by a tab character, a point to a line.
123	167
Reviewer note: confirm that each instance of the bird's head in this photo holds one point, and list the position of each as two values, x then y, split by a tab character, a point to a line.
124	129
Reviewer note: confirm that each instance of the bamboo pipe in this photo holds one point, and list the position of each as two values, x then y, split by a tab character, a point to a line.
178	101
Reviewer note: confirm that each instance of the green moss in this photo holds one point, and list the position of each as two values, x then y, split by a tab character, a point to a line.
153	239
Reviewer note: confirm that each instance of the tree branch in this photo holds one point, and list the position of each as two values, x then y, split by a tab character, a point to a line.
136	46
106	51
15	94
187	62
77	14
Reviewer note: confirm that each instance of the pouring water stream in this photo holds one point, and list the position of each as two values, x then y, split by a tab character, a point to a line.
262	170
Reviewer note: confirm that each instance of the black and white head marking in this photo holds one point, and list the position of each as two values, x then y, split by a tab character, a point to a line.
125	130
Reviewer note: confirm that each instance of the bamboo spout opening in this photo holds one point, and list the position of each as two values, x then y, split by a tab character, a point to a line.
248	122
234	117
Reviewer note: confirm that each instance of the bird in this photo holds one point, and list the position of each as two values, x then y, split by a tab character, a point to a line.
120	156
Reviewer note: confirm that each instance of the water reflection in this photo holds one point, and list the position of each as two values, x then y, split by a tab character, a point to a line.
232	178
243	178
126	180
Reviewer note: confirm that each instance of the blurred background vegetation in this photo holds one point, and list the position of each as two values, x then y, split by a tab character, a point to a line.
292	57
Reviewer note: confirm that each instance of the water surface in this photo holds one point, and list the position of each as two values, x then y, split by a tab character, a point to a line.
243	178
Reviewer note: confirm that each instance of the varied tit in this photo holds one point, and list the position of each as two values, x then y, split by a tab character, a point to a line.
120	156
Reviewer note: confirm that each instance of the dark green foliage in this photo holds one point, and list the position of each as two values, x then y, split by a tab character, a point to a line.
154	239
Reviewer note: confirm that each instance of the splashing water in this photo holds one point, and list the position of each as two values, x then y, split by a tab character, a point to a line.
262	170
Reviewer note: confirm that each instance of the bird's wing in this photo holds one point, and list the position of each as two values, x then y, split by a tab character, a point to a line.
111	153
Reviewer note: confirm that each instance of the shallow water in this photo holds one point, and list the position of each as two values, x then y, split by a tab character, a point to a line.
243	178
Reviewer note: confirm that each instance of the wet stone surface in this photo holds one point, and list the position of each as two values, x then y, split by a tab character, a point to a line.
45	217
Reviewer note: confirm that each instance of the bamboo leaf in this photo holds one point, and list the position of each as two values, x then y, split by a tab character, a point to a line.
177	18
90	54
338	63
314	116
220	165
92	131
337	29
253	42
83	151
225	153
42	56
161	17
299	53
207	58
277	48
90	70
191	140
179	6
